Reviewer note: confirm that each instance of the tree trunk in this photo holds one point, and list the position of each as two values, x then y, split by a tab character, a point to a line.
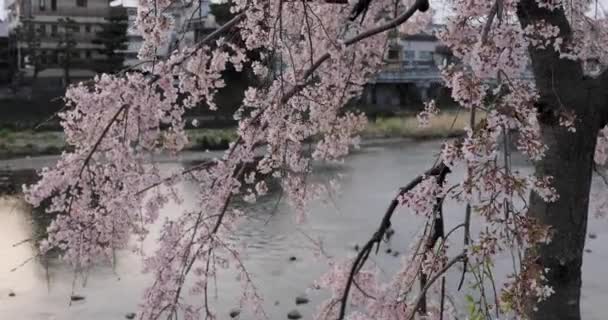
569	160
563	87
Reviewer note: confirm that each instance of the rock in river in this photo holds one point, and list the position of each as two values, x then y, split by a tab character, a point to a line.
294	315
234	312
302	299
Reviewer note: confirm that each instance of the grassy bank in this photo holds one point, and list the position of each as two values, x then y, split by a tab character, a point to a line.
29	143
15	144
447	124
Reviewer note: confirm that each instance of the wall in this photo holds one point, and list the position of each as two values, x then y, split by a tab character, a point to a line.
44	15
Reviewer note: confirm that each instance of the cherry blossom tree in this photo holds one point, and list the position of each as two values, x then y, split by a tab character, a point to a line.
316	55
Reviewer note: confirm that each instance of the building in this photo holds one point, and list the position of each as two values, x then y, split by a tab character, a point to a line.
5	54
411	71
42	30
191	21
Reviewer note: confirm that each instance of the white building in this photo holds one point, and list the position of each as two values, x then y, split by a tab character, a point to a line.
54	41
189	20
411	73
43	18
417	51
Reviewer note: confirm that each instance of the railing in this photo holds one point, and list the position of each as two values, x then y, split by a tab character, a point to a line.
196	23
74	12
408	74
402	74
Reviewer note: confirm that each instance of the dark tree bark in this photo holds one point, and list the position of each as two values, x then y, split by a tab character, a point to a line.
563	87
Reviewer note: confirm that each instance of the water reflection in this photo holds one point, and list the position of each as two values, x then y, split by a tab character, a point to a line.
16	226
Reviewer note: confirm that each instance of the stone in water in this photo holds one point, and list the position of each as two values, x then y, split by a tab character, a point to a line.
302	299
76	298
234	313
294	315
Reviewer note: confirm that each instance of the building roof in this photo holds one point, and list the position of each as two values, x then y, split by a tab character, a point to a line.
419	37
429	34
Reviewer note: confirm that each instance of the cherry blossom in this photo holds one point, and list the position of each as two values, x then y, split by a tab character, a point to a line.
313	60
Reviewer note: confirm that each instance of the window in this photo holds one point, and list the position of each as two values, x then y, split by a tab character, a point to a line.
88	54
203	9
54	29
87	28
425	55
53	5
393	54
408	55
81	3
42	57
41	29
42	4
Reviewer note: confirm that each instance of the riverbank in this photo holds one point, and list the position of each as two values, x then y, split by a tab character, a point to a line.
15	144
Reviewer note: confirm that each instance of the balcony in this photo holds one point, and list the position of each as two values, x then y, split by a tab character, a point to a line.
72	12
404	75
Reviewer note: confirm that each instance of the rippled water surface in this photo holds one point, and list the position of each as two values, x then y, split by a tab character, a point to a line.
370	178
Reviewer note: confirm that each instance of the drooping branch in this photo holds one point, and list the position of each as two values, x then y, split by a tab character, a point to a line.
440	171
494	11
432	280
437	233
420	5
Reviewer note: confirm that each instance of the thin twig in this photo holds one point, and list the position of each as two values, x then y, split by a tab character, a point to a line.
490	21
434	278
362	256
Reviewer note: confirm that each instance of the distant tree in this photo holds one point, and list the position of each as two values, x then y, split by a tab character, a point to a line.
221	12
113	38
31	36
15	74
66	46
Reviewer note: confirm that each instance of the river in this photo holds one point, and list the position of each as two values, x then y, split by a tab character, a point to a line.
370	178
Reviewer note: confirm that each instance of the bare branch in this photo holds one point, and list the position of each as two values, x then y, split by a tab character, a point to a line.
488	26
364	35
434	278
440	170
